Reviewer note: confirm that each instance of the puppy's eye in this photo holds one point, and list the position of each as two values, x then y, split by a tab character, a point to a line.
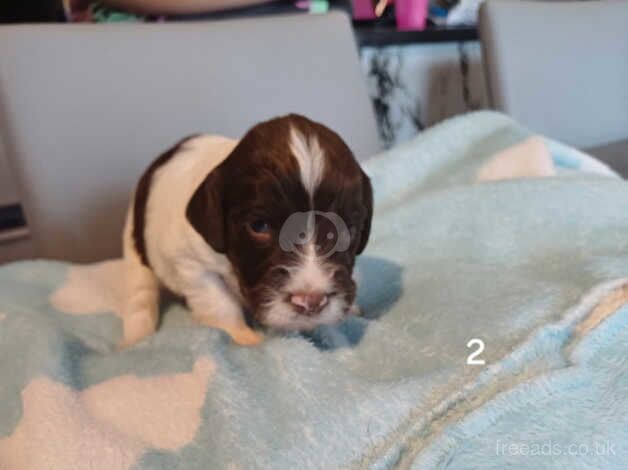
259	227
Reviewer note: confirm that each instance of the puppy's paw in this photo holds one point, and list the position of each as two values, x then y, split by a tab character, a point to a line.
354	310
128	341
246	337
136	327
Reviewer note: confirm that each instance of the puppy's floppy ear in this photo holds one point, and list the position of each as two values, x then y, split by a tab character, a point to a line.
367	201
205	211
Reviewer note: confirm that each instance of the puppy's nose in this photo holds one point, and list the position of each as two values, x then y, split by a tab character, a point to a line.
309	303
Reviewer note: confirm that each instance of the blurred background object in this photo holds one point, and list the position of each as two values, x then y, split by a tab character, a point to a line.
81	126
552	70
30	11
414	78
464	12
411	14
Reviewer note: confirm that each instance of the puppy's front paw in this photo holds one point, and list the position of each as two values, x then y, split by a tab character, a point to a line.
354	310
129	341
126	343
136	327
246	337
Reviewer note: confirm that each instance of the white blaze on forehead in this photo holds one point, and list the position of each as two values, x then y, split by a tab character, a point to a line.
310	157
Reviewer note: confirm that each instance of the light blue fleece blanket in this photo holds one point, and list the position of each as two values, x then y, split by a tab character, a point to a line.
534	268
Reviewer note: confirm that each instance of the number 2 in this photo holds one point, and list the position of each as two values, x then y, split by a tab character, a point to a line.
471	360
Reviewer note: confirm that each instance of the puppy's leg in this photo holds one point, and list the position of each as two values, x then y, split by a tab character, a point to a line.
140	308
214	305
140	311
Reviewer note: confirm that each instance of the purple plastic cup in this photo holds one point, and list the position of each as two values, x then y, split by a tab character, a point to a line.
411	14
363	10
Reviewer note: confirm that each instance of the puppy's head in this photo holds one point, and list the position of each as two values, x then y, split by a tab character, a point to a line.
291	208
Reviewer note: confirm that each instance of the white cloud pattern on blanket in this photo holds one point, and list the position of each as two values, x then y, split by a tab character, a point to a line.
91	288
108	425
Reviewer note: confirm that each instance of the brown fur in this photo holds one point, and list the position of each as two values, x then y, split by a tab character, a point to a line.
140	200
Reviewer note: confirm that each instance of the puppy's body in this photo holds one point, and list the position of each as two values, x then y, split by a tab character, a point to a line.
174	250
161	247
193	228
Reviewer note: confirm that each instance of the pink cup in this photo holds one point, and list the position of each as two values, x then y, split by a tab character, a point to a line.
363	10
411	14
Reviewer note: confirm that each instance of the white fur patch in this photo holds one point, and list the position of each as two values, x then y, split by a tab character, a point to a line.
311	159
310	274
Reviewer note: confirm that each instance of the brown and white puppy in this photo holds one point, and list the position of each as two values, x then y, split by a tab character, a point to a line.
268	226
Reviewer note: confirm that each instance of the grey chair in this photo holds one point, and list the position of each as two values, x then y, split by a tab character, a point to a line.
561	68
84	109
